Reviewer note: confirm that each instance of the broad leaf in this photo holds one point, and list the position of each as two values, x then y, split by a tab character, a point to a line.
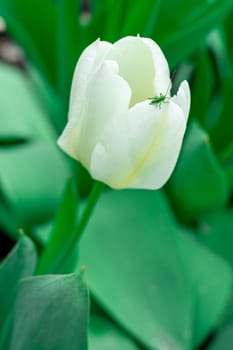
24	20
223	339
103	335
51	313
198	183
202	87
33	191
148	275
181	26
216	232
20	263
22	117
211	291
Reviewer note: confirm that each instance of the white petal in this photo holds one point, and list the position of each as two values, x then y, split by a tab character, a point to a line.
107	96
68	139
159	157
141	150
162	76
110	159
183	98
88	63
136	66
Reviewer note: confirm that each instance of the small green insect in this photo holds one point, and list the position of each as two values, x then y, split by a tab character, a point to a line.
158	100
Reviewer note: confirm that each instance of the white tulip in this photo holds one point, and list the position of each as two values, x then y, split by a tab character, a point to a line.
113	129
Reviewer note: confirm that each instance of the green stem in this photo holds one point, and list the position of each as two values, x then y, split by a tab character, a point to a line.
92	200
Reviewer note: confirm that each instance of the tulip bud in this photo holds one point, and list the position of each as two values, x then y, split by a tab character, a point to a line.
124	138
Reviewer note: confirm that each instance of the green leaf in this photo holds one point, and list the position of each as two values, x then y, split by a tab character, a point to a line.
226	158
222	140
8	221
24	21
22	117
129	250
148	275
69	49
103	335
227	26
114	20
198	183
20	263
141	17
51	313
218	45
62	230
28	144
181	26
211	291
96	26
216	232
33	191
223	340
202	87
227	317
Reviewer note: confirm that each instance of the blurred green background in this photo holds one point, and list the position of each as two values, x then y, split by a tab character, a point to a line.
159	263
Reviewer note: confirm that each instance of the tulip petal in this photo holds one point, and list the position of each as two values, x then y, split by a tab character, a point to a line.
110	158
136	66
113	129
162	84
89	61
107	95
160	154
141	150
183	98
